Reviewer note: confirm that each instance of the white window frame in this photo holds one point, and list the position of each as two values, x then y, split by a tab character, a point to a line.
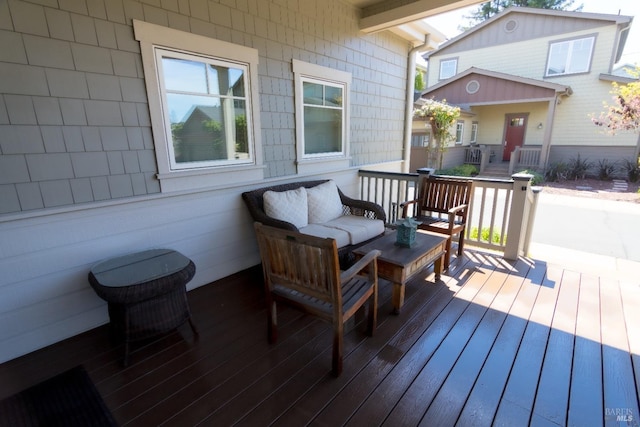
459	131
445	64
474	133
304	71
570	43
154	37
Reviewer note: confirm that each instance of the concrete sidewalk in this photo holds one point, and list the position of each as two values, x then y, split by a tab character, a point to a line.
587	226
587	263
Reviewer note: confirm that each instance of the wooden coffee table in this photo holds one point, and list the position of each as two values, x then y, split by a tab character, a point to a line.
399	264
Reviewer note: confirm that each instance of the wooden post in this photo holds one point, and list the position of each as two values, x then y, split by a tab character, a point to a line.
517	227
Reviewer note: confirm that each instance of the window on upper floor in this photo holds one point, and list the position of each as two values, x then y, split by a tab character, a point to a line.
570	56
474	132
322	106
202	102
448	68
459	131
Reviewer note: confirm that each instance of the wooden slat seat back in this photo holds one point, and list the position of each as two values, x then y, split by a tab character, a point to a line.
303	271
442	207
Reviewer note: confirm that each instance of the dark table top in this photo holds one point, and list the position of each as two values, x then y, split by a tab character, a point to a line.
399	254
139	267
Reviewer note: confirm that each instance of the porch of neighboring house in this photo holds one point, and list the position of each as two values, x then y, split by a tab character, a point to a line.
495	341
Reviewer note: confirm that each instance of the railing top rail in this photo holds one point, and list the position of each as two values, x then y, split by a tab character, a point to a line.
389	174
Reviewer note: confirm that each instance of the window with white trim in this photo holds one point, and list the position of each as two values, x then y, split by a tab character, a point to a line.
206	110
570	56
474	132
459	131
448	68
202	102
322	116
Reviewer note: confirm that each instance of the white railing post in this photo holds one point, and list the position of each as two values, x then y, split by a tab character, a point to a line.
535	191
518	216
514	159
485	156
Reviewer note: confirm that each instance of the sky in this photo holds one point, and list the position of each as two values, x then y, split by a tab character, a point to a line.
448	23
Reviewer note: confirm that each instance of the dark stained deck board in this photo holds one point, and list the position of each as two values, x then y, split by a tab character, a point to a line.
379	396
283	408
381	352
519	395
630	293
552	396
414	402
493	343
620	392
447	404
482	402
585	397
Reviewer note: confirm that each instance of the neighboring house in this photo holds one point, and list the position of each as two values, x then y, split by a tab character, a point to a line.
91	90
533	78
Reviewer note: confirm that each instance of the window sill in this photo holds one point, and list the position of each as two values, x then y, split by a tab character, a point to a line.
209	178
319	165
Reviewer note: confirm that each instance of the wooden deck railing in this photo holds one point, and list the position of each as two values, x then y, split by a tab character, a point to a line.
388	189
501	215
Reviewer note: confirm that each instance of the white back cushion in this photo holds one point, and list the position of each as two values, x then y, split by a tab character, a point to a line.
290	206
324	203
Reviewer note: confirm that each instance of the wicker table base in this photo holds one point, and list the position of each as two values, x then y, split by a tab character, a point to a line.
145	292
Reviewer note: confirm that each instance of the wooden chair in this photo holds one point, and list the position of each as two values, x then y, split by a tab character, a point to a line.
303	271
443	205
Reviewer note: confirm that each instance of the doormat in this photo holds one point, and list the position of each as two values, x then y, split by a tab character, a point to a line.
68	399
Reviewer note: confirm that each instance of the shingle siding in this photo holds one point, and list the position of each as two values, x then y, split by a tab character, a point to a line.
73	83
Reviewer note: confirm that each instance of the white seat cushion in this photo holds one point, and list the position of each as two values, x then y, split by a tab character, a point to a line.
290	206
342	237
359	228
324	203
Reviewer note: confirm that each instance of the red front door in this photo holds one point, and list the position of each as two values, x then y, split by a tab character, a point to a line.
514	133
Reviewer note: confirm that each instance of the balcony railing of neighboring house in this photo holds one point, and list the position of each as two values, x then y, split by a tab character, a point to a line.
525	158
479	155
472	155
501	215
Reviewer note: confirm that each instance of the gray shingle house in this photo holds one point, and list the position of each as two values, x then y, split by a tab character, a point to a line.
92	92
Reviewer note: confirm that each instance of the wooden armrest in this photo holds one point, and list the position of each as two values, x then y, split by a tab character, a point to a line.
404	206
456	209
371	256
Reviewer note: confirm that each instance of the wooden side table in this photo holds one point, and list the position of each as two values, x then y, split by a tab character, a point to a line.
146	293
399	264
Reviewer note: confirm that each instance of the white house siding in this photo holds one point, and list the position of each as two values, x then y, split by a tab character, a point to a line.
572	128
71	81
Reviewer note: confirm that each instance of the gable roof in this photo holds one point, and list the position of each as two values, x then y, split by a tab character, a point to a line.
492	87
559	24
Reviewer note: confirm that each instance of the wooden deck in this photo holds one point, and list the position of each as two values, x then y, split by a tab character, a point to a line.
495	342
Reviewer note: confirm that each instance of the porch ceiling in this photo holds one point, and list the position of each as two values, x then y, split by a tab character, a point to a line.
404	17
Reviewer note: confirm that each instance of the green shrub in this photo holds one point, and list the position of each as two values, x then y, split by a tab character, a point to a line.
606	170
537	179
462	170
632	169
556	172
484	235
578	168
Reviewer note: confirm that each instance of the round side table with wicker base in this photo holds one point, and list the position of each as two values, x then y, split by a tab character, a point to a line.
146	293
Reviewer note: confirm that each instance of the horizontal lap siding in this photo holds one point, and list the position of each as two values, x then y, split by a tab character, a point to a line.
45	295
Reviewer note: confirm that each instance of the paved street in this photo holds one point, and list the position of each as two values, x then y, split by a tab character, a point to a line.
594	226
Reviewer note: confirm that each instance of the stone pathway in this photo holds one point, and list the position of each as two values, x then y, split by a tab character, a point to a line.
620	185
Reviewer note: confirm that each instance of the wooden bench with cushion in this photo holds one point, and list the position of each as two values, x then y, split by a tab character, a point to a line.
318	208
442	207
